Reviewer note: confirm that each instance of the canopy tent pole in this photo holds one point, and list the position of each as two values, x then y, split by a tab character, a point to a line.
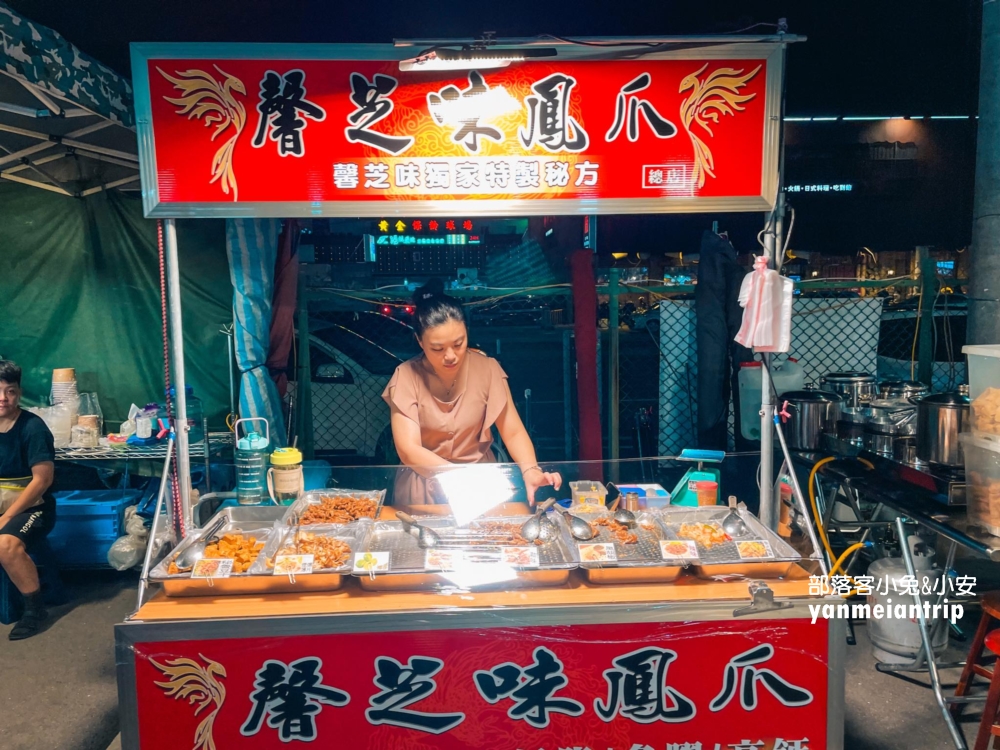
177	370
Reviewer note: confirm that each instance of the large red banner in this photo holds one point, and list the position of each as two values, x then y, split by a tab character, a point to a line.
349	136
738	685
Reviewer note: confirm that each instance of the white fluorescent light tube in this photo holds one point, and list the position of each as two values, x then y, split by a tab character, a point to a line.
850	119
825	119
453	59
797	119
949	117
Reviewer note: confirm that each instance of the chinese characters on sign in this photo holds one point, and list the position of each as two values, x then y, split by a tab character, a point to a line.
373	105
637	689
289	696
532	688
364	131
840	188
282	106
456	177
403	686
659	686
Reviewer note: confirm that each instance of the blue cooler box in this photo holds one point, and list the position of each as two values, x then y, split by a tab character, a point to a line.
87	523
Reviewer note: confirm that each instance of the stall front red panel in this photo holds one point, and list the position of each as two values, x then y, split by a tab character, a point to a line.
664	133
732	685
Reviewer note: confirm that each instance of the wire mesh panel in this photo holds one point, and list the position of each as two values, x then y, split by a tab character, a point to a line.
835	335
677	377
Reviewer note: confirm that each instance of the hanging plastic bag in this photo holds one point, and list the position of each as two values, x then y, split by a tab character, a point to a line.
128	551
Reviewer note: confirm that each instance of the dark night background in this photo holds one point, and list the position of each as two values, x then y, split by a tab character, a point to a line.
861	58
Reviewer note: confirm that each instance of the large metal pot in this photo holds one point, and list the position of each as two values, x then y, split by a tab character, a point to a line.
940	419
857	388
902	389
812	414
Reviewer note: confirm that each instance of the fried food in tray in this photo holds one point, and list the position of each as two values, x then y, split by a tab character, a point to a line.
328	552
338	509
241	549
705	534
619	532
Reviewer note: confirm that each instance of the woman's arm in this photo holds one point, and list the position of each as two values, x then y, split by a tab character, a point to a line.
41	480
406	436
518	443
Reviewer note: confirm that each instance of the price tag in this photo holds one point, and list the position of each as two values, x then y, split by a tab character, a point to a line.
677	549
597	553
212	568
754	550
292	565
443	559
371	562
520	557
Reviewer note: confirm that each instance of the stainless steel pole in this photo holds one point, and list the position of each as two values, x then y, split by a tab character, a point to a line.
925	636
177	369
773	248
154	528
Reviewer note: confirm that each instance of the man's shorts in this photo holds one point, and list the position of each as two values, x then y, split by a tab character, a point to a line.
32	524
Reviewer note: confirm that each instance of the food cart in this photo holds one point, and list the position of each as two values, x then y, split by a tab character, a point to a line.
368	632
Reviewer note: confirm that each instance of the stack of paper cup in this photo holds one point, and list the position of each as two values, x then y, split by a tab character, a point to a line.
64	391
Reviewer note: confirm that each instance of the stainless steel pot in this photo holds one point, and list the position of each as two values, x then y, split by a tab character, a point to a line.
879	444
903	389
813	413
940	419
857	388
904	451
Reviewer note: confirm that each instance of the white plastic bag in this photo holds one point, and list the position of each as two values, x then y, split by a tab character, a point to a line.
128	551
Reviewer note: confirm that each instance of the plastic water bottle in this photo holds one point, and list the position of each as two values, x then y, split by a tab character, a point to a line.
195	413
251	463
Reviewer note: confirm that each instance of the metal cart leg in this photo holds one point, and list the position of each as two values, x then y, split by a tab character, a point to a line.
925	637
154	527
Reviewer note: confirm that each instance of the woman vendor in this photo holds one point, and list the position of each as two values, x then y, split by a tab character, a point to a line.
445	401
27	508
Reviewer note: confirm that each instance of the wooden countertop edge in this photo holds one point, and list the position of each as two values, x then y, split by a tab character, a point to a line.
353	600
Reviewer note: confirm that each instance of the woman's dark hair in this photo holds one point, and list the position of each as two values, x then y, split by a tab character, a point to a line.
432	307
10	373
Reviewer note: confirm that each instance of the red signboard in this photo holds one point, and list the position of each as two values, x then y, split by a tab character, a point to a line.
259	134
736	685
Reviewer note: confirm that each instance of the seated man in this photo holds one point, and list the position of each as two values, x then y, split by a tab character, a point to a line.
27	508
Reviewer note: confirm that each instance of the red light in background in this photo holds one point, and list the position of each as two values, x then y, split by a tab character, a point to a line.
408	309
386	310
449	225
467	225
432	225
418	225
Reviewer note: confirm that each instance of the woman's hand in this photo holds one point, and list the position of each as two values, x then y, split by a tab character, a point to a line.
536	477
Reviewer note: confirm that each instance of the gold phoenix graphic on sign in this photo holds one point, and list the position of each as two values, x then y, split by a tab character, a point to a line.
206	99
201	685
716	95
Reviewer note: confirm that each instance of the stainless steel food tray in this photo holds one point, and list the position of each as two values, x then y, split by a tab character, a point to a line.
408	572
723	560
355	535
637	563
313	497
253	521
